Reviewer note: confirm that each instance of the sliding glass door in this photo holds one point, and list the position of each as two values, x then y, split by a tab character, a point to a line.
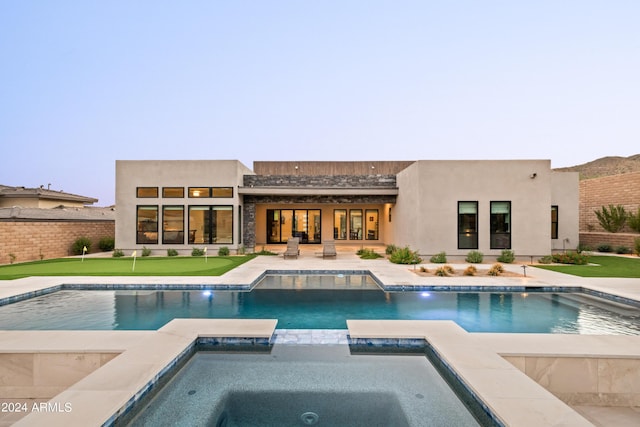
285	223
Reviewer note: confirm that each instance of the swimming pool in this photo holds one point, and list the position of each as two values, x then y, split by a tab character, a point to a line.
322	302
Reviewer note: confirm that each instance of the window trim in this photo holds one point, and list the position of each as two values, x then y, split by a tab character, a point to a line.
207	191
164	190
556	222
138	242
164	209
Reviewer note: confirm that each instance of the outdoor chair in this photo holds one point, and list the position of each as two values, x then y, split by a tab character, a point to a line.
329	249
292	248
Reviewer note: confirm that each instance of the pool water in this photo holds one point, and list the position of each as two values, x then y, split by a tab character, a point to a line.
297	305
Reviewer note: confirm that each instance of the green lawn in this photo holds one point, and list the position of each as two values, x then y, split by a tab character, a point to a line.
152	266
607	266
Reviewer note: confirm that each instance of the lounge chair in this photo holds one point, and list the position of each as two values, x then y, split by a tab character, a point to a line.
292	248
329	249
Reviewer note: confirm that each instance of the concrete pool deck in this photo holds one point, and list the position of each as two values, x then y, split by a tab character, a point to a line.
519	376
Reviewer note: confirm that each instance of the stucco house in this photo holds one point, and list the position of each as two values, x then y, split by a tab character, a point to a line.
430	205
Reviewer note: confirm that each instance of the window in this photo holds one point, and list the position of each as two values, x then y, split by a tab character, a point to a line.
173	224
211	224
467	225
147	192
500	225
371	224
340	224
554	222
285	223
199	192
147	224
222	192
355	224
173	192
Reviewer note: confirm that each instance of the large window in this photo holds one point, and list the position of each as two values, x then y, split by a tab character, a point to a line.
285	223
355	224
500	225
467	225
211	224
173	224
554	222
340	224
147	224
147	192
371	224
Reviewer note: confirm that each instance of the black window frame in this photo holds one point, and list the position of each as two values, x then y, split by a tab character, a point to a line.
146	230
138	189
494	236
460	224
555	232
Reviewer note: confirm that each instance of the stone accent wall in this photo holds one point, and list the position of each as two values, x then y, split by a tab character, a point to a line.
621	189
321	181
33	240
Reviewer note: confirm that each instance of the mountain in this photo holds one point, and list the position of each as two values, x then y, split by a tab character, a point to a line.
605	166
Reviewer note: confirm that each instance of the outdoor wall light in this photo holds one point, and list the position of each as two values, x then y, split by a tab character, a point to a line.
533	175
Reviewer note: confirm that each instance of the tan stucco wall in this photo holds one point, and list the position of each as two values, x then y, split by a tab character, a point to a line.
33	202
426	209
565	193
131	174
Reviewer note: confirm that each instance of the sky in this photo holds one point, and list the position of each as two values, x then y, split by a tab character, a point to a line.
86	83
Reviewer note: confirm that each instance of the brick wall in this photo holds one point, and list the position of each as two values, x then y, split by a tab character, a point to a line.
28	240
593	239
621	189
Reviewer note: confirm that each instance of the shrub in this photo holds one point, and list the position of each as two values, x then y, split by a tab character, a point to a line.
405	256
444	271
172	252
623	250
439	258
263	251
612	219
633	220
197	252
570	258
604	247
636	245
223	251
146	251
117	253
12	258
79	244
583	248
470	271
496	270
390	249
475	257
366	253
423	269
547	259
107	244
507	256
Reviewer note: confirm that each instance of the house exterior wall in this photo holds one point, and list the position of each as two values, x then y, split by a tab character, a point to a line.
426	216
131	174
34	240
565	194
33	202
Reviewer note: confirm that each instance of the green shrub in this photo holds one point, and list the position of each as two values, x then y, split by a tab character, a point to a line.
390	249
146	251
107	244
405	256
604	247
583	248
365	253
623	250
496	270
570	258
197	252
263	251
172	252
470	271
79	244
117	253
439	258
611	219
507	256
223	251
475	257
547	259
444	271
633	220
636	245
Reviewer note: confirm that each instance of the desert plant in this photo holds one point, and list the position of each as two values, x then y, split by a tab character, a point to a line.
223	251
172	252
390	249
611	219
197	252
439	258
405	256
424	269
623	250
583	248
146	251
570	257
117	253
547	259
475	257
12	258
507	256
444	271
636	245
470	271
604	247
633	221
496	270
106	243
79	244
263	251
366	253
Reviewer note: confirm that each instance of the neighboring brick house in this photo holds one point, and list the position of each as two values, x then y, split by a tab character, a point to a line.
623	189
40	223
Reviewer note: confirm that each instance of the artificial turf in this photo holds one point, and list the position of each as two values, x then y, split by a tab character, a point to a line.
144	266
601	266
